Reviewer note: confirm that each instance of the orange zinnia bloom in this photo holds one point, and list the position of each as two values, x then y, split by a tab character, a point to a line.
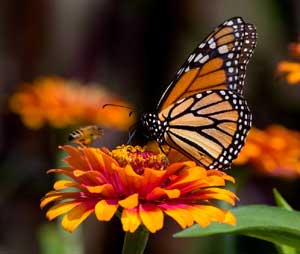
274	151
61	103
294	49
138	185
291	71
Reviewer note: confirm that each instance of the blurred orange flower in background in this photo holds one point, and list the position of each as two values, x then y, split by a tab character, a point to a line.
61	103
274	151
290	69
138	185
294	49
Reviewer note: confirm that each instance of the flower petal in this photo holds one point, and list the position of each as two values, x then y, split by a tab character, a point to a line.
179	213
151	179
176	167
220	174
133	179
60	208
199	216
105	210
68	173
75	157
64	184
99	161
50	198
229	218
130	202
205	214
79	173
152	217
214	193
77	215
158	192
127	179
130	220
105	189
188	176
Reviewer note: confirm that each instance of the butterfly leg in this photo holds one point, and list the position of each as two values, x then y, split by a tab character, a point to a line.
131	133
163	150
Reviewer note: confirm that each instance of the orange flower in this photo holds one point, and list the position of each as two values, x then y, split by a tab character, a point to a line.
139	186
290	69
61	103
274	151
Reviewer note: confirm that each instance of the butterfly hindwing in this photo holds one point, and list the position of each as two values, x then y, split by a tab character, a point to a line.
210	127
219	62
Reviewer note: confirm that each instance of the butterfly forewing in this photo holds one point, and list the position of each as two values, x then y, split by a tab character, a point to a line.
210	127
219	62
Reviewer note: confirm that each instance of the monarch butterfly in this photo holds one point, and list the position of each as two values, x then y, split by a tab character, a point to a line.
86	135
202	113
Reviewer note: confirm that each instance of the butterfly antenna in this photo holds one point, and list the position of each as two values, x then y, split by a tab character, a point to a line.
119	106
115	105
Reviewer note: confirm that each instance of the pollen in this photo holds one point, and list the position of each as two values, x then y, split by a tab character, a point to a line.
139	158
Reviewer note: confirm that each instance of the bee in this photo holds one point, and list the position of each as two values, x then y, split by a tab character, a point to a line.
86	135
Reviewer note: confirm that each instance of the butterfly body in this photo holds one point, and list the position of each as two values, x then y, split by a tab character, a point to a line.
203	113
155	127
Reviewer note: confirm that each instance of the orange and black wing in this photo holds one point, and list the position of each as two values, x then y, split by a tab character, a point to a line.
209	127
219	62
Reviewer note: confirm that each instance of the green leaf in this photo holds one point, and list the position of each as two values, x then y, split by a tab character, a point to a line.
280	201
284	249
273	224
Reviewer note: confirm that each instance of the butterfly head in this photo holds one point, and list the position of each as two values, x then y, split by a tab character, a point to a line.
154	127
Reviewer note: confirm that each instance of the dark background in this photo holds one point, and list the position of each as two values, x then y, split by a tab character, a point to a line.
134	48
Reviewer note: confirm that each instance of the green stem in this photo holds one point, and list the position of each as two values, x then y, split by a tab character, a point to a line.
135	243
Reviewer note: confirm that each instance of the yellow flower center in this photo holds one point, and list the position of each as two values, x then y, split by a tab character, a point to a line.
139	158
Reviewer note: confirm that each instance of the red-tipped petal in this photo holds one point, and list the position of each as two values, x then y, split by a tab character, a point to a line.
152	217
130	220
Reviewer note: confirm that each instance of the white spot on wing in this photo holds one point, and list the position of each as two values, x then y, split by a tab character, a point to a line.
239	20
213	45
223	49
191	57
204	59
198	57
